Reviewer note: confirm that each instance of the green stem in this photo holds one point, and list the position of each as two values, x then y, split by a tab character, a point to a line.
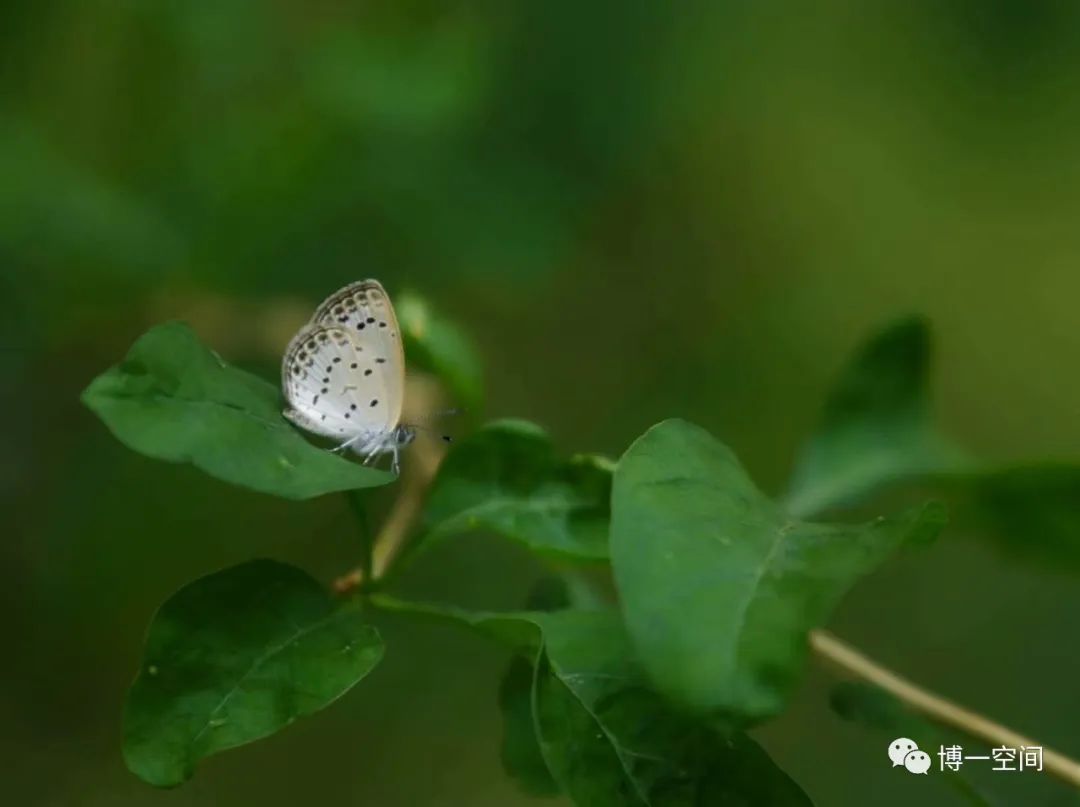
358	501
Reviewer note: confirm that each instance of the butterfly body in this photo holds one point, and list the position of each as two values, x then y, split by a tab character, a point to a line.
343	374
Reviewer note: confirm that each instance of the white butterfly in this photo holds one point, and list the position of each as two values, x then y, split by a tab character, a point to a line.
343	374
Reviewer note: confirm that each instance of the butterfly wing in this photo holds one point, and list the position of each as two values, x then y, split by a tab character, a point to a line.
335	385
364	307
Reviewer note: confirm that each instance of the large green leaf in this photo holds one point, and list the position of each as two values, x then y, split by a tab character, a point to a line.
436	345
607	739
507	480
174	399
719	586
236	656
877	427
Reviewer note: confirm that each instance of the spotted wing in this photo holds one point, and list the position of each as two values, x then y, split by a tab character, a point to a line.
365	307
336	385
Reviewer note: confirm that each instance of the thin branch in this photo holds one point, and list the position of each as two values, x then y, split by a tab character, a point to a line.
936	707
421	464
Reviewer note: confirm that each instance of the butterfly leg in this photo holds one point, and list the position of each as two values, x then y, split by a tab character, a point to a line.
395	464
372	455
351	441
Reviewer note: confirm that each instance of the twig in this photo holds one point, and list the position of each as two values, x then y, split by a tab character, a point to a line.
421	465
935	707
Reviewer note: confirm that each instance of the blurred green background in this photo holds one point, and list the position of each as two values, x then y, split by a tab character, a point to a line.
637	209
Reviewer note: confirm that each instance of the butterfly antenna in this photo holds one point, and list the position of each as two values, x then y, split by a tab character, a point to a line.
439	414
446	438
423	421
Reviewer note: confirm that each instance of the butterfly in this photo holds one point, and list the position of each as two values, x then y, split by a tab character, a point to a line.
343	374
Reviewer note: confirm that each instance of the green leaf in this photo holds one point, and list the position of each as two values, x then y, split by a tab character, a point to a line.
521	756
436	345
606	737
1031	512
174	399
521	753
877	429
719	586
611	741
236	656
518	631
878	432
878	710
506	479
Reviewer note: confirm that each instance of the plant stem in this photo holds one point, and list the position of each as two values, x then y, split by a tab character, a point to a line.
358	504
423	461
936	707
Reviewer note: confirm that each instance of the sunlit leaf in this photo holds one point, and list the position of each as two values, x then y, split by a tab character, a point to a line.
236	656
507	480
719	585
174	399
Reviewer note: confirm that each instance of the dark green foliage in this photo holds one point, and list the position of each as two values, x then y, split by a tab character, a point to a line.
877	428
521	755
878	433
1030	511
606	737
889	718
640	703
235	656
609	739
506	479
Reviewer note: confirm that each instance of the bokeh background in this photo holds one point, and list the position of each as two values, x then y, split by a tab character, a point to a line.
637	210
